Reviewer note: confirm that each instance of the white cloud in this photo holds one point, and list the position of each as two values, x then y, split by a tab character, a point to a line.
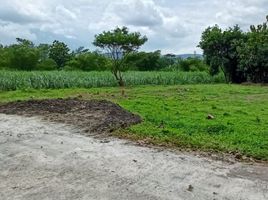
10	31
65	13
139	13
171	25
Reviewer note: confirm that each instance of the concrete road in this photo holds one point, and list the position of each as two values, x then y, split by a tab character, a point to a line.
43	160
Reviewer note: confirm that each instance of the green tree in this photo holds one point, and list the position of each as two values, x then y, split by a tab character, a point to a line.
119	43
80	50
47	64
88	61
192	64
253	53
43	51
167	61
25	42
3	57
220	51
22	56
59	52
144	61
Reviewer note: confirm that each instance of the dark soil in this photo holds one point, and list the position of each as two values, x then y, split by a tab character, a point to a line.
93	116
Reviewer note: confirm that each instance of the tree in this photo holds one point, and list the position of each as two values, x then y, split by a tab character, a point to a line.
253	54
25	42
48	65
4	57
59	52
144	61
119	43
43	51
192	64
80	50
220	51
88	61
167	61
23	56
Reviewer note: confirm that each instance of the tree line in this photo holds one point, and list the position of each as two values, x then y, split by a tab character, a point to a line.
25	55
241	56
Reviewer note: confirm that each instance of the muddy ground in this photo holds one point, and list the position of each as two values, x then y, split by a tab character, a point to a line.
54	159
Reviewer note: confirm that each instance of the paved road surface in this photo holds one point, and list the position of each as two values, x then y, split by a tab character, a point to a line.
42	160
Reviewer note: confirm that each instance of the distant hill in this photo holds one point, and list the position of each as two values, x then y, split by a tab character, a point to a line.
182	56
185	56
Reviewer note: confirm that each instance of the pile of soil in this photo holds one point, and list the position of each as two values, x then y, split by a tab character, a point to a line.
93	116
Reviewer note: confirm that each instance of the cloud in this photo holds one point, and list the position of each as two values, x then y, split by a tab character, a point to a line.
139	13
172	26
10	31
14	17
65	13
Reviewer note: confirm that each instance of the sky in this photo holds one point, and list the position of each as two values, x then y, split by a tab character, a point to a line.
172	26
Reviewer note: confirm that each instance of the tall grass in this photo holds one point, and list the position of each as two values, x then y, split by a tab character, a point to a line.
14	80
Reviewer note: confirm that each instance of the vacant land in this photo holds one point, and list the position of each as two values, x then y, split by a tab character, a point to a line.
177	116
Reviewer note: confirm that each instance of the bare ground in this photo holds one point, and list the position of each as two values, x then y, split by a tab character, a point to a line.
55	160
92	117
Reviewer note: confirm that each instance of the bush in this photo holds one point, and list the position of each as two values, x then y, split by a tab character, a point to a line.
144	61
188	65
48	64
89	61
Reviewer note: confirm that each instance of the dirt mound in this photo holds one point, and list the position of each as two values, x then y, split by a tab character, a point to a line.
94	116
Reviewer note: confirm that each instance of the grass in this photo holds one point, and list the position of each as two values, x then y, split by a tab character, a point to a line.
177	115
17	80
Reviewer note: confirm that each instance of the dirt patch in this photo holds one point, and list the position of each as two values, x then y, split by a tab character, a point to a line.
93	116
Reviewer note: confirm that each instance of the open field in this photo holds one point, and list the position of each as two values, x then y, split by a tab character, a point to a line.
176	116
14	80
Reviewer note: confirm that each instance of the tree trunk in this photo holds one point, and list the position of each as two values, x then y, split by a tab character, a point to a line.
119	79
121	84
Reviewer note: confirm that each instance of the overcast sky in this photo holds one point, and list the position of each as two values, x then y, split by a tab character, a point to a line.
173	26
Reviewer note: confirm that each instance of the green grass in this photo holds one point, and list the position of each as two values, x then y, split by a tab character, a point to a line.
240	124
17	80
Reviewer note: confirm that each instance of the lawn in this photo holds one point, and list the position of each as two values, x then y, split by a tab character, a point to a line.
177	115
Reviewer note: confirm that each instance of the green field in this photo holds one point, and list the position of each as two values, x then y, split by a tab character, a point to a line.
177	115
14	80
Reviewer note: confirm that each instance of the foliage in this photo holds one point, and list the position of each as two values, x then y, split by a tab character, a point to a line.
241	56
59	52
43	51
167	61
119	43
23	55
253	54
88	61
4	57
143	61
220	50
190	64
10	80
47	64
